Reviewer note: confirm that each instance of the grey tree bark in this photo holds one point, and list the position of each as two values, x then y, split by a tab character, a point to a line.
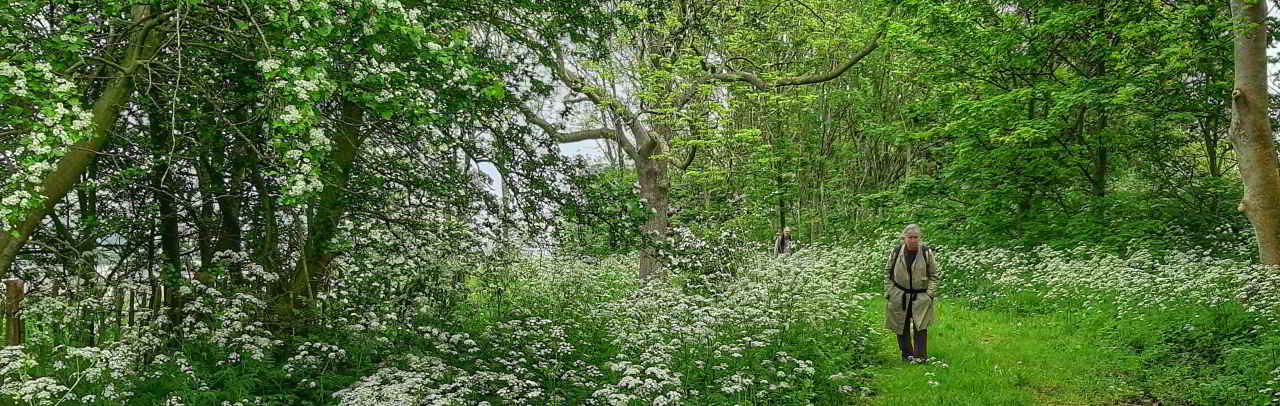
1251	130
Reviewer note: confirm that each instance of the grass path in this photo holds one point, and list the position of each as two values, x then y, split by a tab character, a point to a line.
996	358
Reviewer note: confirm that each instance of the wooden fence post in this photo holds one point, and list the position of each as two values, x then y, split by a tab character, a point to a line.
14	289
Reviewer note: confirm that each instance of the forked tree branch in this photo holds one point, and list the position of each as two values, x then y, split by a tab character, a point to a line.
762	85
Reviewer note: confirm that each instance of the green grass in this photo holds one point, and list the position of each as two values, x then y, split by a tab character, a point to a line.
986	357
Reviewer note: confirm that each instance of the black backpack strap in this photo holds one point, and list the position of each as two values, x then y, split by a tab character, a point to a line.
893	261
909	293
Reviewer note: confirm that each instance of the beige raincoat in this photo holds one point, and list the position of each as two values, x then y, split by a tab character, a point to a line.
923	276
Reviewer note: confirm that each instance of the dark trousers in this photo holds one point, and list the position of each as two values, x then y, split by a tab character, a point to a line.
921	340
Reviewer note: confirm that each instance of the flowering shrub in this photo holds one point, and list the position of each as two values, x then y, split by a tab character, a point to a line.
579	333
55	120
690	254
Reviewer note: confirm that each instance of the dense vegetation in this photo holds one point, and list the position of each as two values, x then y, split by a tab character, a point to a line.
366	201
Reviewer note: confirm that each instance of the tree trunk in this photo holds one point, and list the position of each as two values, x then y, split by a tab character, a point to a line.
1211	147
228	195
153	298
87	240
654	187
1251	129
1100	154
14	291
232	191
163	187
322	221
206	222
85	266
266	234
133	307
143	44
1100	157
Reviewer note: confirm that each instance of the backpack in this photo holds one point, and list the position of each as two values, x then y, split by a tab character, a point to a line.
893	259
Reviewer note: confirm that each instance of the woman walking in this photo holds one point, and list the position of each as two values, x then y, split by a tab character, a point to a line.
783	244
911	285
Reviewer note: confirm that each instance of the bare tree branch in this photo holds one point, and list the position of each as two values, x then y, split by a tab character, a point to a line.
762	85
223	51
592	134
564	138
741	58
538	121
625	143
839	70
113	65
623	117
815	14
688	159
644	139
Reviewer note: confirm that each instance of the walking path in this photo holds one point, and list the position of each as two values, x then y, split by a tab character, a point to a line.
984	357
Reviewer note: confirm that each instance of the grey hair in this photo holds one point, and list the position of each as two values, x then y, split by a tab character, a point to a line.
911	228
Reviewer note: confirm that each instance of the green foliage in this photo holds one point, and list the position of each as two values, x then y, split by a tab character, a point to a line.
1139	214
1024	128
993	356
1200	354
1026	123
701	259
606	216
564	331
1189	328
